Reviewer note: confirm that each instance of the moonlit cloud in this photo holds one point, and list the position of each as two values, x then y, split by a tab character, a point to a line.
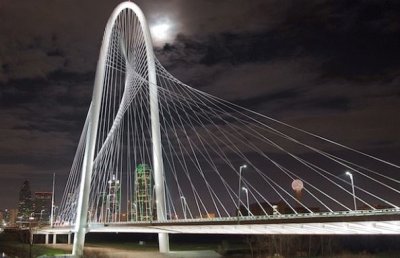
159	32
162	31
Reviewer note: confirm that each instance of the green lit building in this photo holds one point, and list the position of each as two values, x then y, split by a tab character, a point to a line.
142	206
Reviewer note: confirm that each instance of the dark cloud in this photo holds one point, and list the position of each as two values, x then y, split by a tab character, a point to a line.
330	67
353	39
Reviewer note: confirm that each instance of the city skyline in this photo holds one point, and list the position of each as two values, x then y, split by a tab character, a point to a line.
331	68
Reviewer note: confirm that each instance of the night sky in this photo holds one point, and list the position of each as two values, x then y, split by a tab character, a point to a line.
329	67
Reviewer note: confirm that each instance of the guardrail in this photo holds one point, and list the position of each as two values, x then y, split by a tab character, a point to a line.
357	213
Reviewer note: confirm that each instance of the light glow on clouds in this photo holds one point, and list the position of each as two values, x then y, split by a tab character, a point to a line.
162	32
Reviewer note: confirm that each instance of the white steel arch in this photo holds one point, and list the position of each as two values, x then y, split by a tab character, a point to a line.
81	224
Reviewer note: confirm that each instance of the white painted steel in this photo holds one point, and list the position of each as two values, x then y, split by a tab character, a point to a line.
81	225
312	228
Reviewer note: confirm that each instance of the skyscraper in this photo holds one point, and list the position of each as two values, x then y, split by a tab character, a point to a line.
142	205
25	207
113	200
42	206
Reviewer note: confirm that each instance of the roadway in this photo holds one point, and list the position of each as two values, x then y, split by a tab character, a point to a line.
375	222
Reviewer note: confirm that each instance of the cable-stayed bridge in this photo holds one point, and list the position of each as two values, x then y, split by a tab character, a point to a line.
157	155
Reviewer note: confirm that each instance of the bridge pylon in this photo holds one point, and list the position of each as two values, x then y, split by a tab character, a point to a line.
81	225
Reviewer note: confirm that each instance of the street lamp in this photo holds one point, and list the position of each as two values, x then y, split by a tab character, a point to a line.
134	216
247	199
240	187
40	218
108	212
31	218
52	203
184	205
349	174
55	214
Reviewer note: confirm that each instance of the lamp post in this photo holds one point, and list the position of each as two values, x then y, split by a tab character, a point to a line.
349	174
108	212
31	218
134	216
240	188
247	199
40	218
184	205
55	207
52	203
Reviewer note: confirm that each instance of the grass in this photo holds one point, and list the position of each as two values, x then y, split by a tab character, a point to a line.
193	247
127	246
23	250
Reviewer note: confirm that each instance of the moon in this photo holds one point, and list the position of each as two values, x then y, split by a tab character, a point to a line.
297	185
161	31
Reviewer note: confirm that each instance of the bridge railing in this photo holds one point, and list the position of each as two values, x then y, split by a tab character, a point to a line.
316	215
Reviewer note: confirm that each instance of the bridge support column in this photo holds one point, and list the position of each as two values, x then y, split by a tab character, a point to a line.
46	239
163	242
69	239
54	239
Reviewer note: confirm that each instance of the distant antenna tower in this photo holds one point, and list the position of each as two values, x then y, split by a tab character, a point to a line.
142	206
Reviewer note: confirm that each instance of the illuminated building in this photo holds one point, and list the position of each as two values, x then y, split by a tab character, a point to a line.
42	206
25	202
113	200
142	207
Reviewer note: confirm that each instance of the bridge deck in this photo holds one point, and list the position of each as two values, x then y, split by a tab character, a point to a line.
359	222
